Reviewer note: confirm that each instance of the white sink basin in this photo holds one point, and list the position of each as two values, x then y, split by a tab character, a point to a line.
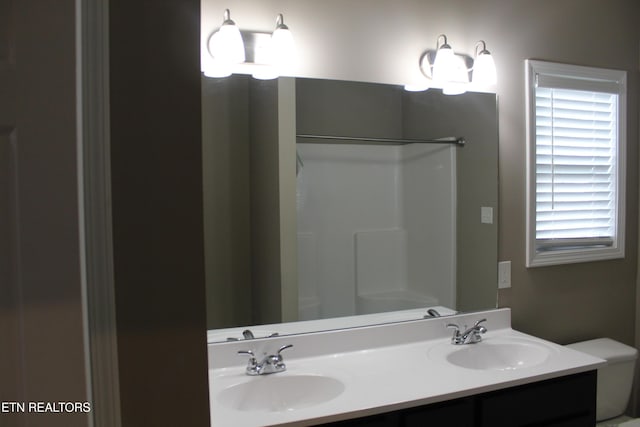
500	356
494	355
280	392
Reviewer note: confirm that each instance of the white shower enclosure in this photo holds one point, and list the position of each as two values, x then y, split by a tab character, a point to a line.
376	228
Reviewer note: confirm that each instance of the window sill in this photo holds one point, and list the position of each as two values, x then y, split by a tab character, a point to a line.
572	256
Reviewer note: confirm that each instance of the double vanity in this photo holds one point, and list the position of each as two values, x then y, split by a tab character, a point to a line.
440	370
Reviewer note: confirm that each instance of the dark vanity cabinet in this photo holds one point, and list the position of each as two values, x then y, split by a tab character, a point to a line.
459	412
568	401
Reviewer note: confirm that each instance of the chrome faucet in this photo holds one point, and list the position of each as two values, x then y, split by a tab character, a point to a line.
270	364
470	336
432	312
248	335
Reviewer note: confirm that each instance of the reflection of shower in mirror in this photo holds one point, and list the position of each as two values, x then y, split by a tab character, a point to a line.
370	236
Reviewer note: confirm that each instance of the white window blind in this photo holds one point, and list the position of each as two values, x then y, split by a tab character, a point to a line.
575	168
576	140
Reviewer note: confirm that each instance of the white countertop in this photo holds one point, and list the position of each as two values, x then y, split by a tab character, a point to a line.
383	368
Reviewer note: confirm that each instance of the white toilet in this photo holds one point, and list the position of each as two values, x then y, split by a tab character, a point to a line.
614	379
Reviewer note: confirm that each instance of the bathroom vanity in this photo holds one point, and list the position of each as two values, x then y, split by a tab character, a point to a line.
406	374
565	401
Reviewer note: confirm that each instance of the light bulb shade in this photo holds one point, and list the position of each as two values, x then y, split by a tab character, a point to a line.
217	69
265	72
444	66
417	86
417	81
484	70
226	45
282	47
454	88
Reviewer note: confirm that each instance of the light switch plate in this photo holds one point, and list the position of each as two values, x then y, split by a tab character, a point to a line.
486	215
504	274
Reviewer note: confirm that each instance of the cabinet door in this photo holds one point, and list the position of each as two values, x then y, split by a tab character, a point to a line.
566	401
390	419
575	422
459	413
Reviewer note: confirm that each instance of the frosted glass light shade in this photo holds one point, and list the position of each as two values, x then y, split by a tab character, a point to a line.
444	66
265	72
417	86
282	47
229	46
217	69
454	88
417	81
484	70
213	66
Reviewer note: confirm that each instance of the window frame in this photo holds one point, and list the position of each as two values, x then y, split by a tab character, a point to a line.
579	75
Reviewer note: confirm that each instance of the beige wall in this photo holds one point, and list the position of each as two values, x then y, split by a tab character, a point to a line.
381	40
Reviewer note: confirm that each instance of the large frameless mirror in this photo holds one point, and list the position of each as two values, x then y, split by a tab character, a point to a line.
330	204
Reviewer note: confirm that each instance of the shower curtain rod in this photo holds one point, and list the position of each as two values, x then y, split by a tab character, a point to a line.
460	141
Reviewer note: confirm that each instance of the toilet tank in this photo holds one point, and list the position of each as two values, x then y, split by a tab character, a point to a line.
615	378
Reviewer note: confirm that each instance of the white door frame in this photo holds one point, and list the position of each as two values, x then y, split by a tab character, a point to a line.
101	355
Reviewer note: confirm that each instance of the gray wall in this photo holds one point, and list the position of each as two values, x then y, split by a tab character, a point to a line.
377	40
156	160
265	206
248	267
226	164
42	347
564	303
474	117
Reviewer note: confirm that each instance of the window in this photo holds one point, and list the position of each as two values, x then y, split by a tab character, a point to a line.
575	163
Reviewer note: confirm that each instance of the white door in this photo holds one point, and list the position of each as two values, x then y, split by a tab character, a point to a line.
41	324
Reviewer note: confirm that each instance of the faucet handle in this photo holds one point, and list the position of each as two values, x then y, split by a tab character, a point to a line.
457	336
456	330
453	326
252	357
252	364
481	329
247	353
279	361
284	347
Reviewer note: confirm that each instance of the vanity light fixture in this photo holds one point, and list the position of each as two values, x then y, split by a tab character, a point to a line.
277	54
445	69
214	65
282	45
263	55
444	65
228	42
225	47
484	69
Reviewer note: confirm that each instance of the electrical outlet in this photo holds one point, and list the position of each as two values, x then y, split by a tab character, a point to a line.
504	274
